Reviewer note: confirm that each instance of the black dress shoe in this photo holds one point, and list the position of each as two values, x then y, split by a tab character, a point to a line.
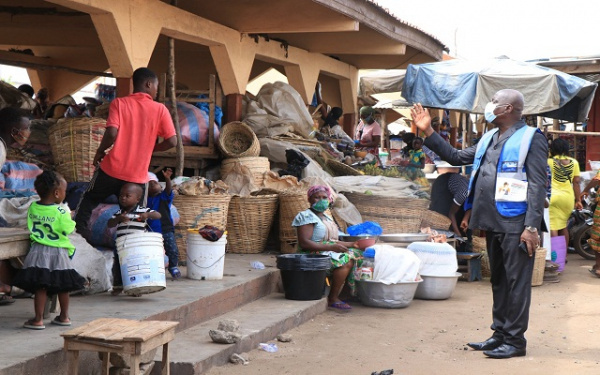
489	344
505	351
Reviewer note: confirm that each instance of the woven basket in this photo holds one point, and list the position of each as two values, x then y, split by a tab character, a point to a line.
341	169
394	214
539	264
290	204
480	246
435	220
74	142
249	221
196	211
288	246
238	140
257	165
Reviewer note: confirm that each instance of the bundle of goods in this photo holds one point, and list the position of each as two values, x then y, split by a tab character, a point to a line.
290	204
249	221
74	142
480	246
237	140
256	165
200	202
394	214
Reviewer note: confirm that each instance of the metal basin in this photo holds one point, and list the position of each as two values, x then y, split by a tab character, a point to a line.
393	296
404	237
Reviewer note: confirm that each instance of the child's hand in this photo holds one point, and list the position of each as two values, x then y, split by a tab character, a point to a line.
167	173
143	216
123	218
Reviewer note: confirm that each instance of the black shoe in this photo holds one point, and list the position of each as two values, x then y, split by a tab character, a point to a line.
489	344
505	351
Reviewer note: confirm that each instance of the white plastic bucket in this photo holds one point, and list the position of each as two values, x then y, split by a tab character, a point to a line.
142	263
205	259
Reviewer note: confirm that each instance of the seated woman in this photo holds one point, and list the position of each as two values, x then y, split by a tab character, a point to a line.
368	131
318	233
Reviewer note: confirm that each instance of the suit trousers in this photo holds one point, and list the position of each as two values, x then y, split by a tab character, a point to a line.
511	271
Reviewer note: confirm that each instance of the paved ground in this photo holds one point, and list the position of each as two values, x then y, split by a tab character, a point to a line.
429	337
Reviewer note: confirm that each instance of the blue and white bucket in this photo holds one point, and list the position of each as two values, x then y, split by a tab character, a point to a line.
142	263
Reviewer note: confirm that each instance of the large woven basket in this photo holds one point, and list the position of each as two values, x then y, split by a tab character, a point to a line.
74	142
249	221
290	204
435	220
257	165
539	264
196	211
288	246
238	140
480	246
394	214
341	169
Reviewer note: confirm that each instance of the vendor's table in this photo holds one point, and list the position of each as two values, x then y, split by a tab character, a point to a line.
109	335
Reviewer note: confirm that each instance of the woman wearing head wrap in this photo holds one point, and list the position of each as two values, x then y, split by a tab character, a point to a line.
318	233
330	116
368	131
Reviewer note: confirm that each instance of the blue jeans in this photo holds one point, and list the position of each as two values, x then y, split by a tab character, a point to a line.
171	249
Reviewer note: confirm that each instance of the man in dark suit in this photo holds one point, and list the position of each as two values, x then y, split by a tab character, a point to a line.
515	154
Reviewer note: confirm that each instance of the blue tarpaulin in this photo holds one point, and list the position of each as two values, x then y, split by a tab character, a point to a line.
469	85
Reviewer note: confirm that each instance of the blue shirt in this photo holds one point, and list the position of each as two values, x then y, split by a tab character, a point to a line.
162	203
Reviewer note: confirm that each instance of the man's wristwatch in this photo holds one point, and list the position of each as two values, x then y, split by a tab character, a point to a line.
531	229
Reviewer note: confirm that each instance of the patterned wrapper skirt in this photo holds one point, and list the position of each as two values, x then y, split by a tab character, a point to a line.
48	268
594	240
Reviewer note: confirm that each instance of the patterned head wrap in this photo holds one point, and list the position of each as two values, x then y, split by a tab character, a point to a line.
318	189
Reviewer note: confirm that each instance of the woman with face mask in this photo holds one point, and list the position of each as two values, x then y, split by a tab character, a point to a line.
368	131
14	133
318	234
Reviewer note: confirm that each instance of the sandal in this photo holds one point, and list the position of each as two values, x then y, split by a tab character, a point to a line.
340	305
6	300
594	272
175	273
30	325
59	322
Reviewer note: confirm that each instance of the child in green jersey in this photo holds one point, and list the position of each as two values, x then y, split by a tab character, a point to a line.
47	268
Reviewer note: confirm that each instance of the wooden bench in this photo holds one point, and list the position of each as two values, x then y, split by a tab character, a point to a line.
109	335
472	270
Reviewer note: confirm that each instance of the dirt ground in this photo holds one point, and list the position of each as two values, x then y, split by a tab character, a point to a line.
429	337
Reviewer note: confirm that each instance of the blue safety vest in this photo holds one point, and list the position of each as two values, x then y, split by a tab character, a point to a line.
510	165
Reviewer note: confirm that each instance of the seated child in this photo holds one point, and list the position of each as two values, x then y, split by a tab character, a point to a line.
161	201
130	219
416	156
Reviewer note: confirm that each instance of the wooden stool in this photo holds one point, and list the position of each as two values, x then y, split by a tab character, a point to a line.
121	336
473	267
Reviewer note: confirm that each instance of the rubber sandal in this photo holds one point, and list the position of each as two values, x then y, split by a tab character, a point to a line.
6	300
29	325
59	322
175	273
594	272
340	305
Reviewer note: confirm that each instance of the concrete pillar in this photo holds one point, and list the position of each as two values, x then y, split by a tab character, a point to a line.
303	78
234	63
124	87
234	107
349	124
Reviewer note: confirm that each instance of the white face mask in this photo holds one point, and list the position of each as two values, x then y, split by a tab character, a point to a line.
488	112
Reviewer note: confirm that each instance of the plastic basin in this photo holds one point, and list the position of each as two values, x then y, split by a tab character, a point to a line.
437	287
392	296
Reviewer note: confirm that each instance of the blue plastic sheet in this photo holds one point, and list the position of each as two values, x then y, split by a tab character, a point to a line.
368	227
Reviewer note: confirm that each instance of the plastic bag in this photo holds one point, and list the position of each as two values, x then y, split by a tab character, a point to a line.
368	227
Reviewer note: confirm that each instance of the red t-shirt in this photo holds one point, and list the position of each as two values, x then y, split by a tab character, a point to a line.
139	120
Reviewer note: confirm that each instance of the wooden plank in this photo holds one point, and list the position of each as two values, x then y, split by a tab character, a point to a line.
90	345
157	340
89	326
149	329
13	249
165	367
72	362
577	134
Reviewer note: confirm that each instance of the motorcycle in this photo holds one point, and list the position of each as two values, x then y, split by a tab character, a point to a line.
581	225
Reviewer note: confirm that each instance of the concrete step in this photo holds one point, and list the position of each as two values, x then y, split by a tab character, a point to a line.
193	352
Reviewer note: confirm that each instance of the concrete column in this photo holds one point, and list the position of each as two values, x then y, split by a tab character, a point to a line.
124	87
234	63
303	78
349	124
234	107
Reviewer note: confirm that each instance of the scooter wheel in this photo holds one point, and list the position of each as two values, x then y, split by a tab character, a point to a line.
580	242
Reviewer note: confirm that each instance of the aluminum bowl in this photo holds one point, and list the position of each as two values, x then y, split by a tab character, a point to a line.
393	296
437	287
404	237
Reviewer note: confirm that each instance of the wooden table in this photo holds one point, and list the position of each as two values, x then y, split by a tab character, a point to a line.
14	242
109	335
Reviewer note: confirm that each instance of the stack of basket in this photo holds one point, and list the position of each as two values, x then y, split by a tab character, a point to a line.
249	221
394	214
74	142
196	211
290	204
241	148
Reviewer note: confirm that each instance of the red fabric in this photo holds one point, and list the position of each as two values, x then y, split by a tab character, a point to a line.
139	120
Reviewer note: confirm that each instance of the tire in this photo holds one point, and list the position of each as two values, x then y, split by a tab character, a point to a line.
580	243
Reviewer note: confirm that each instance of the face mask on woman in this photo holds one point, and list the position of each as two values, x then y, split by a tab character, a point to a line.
369	120
321	205
21	136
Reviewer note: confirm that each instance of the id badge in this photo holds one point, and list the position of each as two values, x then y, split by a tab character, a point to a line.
510	190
